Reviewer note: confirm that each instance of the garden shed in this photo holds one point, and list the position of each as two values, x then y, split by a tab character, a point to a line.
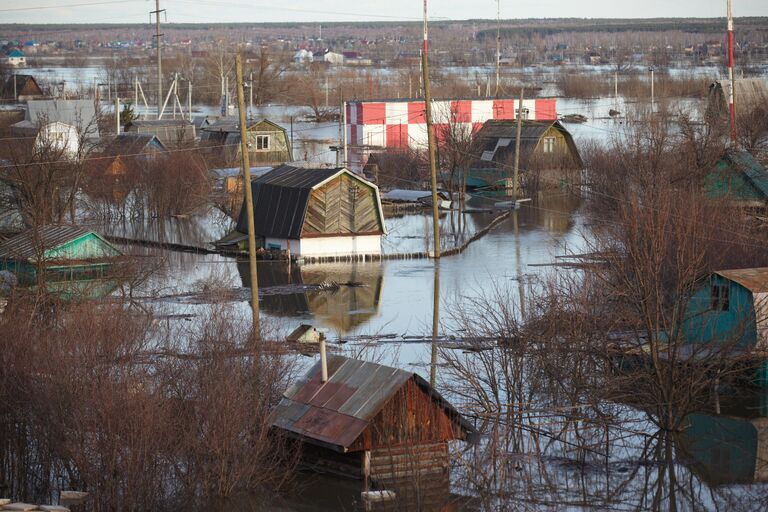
739	178
370	420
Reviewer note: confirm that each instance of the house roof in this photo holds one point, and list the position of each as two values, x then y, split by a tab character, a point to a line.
78	113
233	125
281	196
753	279
754	172
14	53
131	143
26	246
21	83
148	123
749	91
334	413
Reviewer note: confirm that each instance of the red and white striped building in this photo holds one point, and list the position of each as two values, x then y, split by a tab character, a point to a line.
402	123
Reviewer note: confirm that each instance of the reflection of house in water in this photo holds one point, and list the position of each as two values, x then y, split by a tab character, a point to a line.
726	450
341	311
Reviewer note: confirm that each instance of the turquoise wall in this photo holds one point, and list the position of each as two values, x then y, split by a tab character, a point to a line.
704	325
724	181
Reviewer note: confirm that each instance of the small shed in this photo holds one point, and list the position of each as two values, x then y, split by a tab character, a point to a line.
305	333
268	142
21	88
173	133
548	153
126	150
739	178
729	307
370	420
65	252
316	212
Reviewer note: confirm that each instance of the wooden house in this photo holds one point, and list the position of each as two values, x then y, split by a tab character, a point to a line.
370	421
127	150
749	93
315	213
739	178
61	125
729	308
65	253
548	154
268	142
21	88
172	133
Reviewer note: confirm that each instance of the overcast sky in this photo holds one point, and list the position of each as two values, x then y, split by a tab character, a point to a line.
185	11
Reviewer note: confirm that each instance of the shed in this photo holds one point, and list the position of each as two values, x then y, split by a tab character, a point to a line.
65	252
305	333
128	149
268	142
739	178
729	307
60	124
749	94
172	133
548	153
21	88
372	420
316	212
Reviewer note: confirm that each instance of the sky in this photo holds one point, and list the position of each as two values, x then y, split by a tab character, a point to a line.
213	11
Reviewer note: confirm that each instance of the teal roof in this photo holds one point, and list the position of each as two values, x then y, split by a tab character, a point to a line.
755	173
15	53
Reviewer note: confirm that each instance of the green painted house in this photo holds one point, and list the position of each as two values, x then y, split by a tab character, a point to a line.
65	253
729	307
739	178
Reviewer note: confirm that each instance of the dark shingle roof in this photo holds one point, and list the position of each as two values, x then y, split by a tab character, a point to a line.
26	246
130	144
280	200
334	413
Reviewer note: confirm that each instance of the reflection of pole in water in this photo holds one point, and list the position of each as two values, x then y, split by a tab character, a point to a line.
519	265
435	324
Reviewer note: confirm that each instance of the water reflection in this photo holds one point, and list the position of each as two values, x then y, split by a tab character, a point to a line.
353	304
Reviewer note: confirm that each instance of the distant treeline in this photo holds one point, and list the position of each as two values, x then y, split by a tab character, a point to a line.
511	27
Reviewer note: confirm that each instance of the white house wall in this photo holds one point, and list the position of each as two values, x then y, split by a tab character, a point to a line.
317	247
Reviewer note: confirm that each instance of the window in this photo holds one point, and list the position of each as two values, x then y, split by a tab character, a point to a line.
549	144
262	143
526	113
719	296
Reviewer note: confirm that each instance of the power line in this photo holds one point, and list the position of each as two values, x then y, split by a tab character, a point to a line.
59	6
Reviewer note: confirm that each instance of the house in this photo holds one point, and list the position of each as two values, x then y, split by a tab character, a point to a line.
63	125
548	154
66	253
749	93
303	57
305	333
21	88
269	142
739	178
729	308
126	150
15	58
172	133
333	58
368	420
315	213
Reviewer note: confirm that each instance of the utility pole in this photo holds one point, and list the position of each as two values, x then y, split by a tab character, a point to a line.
117	115
519	133
653	95
430	136
189	99
250	95
158	41
731	77
246	167
498	45
344	119
15	94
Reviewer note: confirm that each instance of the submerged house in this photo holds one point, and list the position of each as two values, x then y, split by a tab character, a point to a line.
127	150
729	308
314	213
268	142
739	178
65	253
62	125
370	421
548	154
21	88
172	133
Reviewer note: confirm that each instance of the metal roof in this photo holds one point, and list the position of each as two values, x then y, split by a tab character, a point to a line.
755	173
27	245
753	279
335	413
132	143
78	113
280	199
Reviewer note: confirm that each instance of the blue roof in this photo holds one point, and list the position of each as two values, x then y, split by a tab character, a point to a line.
15	53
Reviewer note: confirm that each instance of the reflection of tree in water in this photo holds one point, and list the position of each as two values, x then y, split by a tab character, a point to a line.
342	310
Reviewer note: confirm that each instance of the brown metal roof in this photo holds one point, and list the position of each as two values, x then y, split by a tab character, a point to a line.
335	413
753	279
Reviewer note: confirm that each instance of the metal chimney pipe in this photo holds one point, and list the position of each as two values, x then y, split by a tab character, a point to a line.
323	362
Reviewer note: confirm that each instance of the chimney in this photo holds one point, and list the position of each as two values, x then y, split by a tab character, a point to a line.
323	362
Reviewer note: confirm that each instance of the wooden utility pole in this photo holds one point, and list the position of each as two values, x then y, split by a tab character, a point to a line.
731	77
117	115
430	136
246	167
158	40
519	133
498	46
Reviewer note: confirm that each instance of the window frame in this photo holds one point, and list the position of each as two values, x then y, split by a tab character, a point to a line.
720	297
263	142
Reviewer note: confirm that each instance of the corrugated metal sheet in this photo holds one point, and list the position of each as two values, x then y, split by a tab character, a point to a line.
754	172
133	144
26	246
337	412
78	113
753	279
